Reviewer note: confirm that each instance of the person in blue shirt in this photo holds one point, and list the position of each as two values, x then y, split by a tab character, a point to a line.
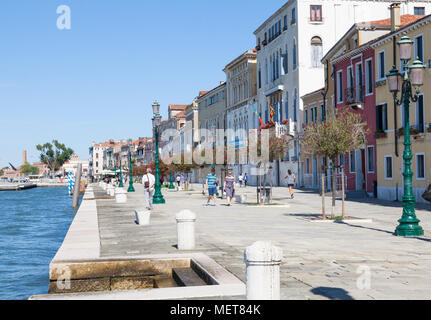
212	187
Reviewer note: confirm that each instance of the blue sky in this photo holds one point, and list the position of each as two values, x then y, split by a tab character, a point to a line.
98	80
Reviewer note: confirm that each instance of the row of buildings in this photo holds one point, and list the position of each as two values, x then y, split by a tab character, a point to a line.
110	155
310	58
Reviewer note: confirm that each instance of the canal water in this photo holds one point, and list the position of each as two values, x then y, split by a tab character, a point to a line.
33	225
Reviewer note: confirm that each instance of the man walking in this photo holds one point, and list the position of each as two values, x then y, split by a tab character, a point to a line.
212	187
148	180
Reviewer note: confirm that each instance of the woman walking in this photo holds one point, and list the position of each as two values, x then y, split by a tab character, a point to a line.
291	179
229	187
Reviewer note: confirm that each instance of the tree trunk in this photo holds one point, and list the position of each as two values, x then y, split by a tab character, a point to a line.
264	182
271	172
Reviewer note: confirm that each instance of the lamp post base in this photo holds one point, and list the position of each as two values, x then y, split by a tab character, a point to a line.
409	229
131	189
158	199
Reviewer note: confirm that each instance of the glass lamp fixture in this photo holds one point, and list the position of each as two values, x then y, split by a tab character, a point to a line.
417	73
394	80
405	45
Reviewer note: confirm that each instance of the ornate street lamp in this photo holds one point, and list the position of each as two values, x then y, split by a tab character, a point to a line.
121	177
131	188
158	197
408	224
171	178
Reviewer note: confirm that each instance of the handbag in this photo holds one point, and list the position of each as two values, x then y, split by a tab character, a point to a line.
147	183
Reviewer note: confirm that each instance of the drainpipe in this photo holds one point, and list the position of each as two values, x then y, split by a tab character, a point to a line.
395	105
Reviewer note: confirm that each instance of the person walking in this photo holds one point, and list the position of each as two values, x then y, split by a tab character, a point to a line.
148	180
291	179
182	181
240	180
229	187
211	182
178	182
245	180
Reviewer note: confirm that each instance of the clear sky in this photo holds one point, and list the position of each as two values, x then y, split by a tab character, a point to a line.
98	80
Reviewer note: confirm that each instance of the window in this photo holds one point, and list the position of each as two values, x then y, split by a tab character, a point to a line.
382	117
316	52
420	166
419	48
307	166
322	112
315	13
381	65
352	162
419	11
287	106
294	55
369	76
359	83
370	156
285	22
388	167
349	77
340	86
420	116
293	16
260	78
341	160
306	116
295	100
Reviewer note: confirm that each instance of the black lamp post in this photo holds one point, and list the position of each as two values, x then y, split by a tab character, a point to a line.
403	81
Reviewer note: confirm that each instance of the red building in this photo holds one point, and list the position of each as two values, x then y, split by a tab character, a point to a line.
354	79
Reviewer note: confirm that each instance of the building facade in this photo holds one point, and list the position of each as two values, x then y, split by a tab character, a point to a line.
390	119
290	45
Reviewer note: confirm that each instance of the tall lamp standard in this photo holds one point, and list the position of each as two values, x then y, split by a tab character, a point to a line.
403	81
158	197
171	178
121	177
131	188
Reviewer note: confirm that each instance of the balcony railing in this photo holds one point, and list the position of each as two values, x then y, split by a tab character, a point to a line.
355	95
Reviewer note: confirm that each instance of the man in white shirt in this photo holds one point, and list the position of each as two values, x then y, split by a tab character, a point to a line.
148	180
291	179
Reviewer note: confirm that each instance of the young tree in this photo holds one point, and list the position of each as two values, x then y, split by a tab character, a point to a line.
54	154
28	169
339	135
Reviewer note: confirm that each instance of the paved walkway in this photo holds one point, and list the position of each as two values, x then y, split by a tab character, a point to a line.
321	260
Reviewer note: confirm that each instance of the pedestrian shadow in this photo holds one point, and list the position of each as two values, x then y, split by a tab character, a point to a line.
303	215
332	293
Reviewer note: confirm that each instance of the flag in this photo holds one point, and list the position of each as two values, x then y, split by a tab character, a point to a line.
271	115
260	119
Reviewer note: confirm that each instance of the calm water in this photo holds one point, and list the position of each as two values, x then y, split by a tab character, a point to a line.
32	228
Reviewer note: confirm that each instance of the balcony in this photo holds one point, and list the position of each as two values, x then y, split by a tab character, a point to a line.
355	97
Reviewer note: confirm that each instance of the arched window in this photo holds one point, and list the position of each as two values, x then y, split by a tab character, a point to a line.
316	51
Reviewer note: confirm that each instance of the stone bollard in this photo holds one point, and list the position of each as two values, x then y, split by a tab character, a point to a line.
111	191
263	261
143	217
120	195
186	230
108	189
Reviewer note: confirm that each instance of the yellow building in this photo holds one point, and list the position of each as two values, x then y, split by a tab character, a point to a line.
389	119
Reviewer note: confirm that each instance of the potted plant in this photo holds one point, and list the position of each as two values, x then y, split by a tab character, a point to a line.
380	134
285	121
258	47
429	127
264	42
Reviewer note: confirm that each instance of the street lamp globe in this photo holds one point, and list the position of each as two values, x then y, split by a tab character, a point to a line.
156	108
394	80
417	73
405	45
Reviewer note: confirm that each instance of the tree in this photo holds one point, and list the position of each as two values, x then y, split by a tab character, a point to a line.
339	135
54	154
28	169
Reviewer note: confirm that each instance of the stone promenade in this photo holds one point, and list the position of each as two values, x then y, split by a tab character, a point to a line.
320	260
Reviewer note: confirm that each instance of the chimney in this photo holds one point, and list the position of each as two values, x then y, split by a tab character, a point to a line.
395	16
24	157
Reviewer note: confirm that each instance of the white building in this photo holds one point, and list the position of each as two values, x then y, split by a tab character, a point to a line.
290	45
241	88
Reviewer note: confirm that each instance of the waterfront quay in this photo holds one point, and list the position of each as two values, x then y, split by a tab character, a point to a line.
321	260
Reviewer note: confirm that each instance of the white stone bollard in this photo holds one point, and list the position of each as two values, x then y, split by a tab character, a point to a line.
263	261
111	191
186	230
143	217
120	195
108	189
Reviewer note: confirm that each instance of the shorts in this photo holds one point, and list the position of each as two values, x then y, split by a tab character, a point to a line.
212	191
291	185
